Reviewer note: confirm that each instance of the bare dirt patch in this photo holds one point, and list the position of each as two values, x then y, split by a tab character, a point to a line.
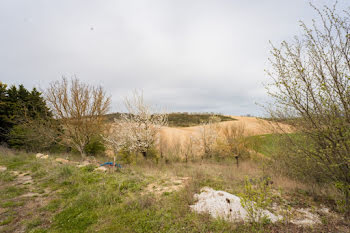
23	178
166	185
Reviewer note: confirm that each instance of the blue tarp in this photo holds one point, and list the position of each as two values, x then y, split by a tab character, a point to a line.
111	164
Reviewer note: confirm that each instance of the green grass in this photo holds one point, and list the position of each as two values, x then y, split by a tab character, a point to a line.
11	192
6	176
7	220
81	200
53	205
11	204
77	216
88	201
33	224
269	144
264	144
15	163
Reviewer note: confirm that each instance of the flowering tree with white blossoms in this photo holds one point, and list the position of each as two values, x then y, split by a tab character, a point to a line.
138	129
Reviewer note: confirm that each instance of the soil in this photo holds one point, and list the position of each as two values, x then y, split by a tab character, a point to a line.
166	185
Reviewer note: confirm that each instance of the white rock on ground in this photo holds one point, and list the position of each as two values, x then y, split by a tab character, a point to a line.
39	155
224	205
2	169
84	164
101	169
60	160
304	217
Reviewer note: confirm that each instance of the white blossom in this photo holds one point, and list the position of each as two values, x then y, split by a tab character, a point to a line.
138	129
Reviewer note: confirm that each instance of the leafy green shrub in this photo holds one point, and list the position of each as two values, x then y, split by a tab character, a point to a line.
125	155
257	197
309	86
152	153
95	146
291	161
33	135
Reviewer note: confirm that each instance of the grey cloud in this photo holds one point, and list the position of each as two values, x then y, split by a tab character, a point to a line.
200	55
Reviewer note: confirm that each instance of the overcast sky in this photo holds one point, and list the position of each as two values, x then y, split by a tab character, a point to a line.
186	55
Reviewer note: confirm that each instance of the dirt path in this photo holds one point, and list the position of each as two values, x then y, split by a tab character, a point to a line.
20	198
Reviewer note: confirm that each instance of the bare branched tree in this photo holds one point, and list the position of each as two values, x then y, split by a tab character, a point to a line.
311	88
138	129
189	147
235	139
80	108
208	135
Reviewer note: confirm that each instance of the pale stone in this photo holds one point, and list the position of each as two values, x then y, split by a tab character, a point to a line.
84	164
220	204
101	169
305	217
60	160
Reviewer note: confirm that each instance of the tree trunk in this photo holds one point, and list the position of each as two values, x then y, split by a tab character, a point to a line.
237	157
82	153
347	204
144	154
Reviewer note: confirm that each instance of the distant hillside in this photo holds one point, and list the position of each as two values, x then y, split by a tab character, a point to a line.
183	119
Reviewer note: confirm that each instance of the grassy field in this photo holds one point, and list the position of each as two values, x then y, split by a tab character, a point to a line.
182	119
269	144
38	195
264	144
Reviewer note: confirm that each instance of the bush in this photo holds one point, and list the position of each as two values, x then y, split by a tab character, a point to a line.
95	146
125	156
310	88
257	197
289	161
